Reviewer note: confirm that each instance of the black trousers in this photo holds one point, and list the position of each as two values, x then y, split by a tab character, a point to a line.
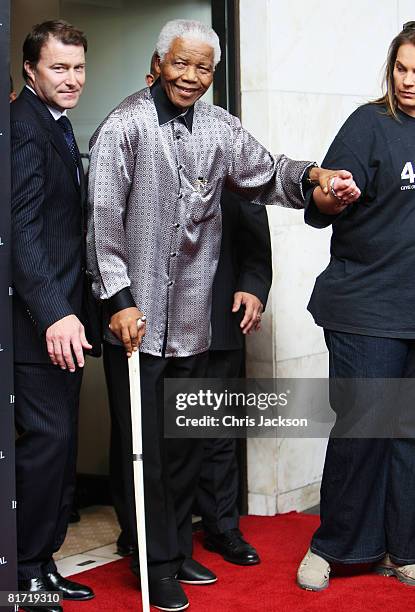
46	417
217	493
171	467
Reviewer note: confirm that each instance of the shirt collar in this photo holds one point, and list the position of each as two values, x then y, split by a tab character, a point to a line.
53	111
166	111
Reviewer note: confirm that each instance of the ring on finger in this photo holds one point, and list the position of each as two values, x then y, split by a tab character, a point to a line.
141	321
332	190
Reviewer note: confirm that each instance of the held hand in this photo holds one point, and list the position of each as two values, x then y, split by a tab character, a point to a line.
322	176
127	327
253	311
343	191
65	337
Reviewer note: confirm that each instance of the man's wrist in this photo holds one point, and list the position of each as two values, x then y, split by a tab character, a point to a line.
120	301
311	175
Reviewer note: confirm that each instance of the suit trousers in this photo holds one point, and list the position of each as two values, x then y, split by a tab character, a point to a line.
171	467
46	417
217	492
367	490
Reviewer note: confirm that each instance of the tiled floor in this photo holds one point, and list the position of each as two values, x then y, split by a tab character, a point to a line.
89	543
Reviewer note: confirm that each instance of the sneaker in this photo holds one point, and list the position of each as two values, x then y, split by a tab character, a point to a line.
404	573
313	573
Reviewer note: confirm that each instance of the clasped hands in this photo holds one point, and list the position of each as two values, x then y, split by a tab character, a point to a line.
336	190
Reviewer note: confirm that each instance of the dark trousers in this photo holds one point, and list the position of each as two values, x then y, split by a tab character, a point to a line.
171	467
46	417
217	493
368	487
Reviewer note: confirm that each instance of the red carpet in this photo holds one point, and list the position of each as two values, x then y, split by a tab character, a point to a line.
269	587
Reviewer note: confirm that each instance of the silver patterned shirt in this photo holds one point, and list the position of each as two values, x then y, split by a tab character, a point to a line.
154	211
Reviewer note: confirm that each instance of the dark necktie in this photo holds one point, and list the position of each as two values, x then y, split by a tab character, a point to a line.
66	127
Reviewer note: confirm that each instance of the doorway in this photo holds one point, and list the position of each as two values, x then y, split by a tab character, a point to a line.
121	36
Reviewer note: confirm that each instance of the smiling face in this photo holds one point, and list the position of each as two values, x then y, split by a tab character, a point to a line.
59	76
404	78
186	71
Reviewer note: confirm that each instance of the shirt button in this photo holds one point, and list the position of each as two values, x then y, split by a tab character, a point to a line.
179	167
173	254
178	136
176	225
180	196
170	283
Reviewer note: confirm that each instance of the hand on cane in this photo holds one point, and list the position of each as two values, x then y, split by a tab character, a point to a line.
129	326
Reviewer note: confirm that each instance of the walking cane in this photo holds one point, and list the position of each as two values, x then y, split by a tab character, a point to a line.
135	401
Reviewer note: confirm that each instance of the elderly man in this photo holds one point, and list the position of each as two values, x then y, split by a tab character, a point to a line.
159	163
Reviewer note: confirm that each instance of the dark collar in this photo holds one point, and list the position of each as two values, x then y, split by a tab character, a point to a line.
166	111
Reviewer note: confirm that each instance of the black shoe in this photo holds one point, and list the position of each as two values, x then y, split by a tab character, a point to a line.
233	548
125	546
192	572
36	585
70	590
167	594
126	550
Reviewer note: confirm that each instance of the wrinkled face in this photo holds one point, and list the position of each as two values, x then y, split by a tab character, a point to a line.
59	76
404	78
186	71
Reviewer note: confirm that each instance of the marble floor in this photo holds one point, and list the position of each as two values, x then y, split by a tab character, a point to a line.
89	543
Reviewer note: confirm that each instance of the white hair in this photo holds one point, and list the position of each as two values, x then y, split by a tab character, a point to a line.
187	28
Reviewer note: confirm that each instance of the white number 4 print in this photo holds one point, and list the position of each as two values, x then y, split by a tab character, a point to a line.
408	172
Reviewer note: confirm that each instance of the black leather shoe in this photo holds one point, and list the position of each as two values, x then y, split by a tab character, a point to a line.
125	547
126	550
70	590
192	572
167	594
233	548
36	585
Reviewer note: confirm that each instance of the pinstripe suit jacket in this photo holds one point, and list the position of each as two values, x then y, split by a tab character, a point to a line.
245	264
47	227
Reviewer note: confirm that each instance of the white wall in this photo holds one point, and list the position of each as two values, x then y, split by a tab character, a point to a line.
304	68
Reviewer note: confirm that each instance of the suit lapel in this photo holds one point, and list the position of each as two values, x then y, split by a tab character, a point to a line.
56	135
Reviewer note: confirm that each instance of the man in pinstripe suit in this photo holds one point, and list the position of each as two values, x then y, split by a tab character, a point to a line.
48	279
239	295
